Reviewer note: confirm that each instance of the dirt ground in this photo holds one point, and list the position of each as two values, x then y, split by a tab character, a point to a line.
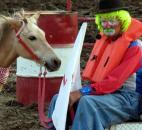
13	115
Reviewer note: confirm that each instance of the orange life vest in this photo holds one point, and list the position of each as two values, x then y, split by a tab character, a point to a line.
105	56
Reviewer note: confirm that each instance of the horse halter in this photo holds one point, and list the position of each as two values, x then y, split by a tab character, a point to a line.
29	50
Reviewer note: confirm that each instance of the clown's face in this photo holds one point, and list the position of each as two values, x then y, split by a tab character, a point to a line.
111	27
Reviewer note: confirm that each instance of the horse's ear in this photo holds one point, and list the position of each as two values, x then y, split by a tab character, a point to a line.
35	17
20	15
14	24
22	12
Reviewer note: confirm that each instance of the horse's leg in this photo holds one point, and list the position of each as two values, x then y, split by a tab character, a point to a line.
1	87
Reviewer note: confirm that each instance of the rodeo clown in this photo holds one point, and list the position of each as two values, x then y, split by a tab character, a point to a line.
114	71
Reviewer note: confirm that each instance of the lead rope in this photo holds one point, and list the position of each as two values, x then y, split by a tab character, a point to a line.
41	98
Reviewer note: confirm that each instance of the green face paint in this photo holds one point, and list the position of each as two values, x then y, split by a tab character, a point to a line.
122	15
109	31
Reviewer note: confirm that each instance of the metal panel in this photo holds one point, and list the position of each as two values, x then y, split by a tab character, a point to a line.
127	126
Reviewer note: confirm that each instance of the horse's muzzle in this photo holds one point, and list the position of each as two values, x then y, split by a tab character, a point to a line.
53	65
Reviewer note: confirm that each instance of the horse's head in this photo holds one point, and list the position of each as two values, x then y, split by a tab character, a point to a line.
34	39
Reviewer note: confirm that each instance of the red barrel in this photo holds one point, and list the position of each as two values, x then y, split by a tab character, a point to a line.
61	30
27	89
59	27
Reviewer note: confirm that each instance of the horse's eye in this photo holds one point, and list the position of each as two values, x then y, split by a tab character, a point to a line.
32	38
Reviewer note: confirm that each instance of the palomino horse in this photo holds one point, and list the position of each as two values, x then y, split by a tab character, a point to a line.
20	36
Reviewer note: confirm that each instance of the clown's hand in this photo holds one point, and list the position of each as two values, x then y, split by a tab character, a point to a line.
74	97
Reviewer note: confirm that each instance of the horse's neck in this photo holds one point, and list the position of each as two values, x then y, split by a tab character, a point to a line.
7	51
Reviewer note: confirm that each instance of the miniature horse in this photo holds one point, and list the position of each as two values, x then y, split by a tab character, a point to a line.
20	36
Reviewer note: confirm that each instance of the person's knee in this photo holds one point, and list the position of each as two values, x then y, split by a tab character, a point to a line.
84	100
52	105
54	98
89	101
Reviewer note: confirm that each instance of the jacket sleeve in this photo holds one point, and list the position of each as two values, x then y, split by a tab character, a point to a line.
114	80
